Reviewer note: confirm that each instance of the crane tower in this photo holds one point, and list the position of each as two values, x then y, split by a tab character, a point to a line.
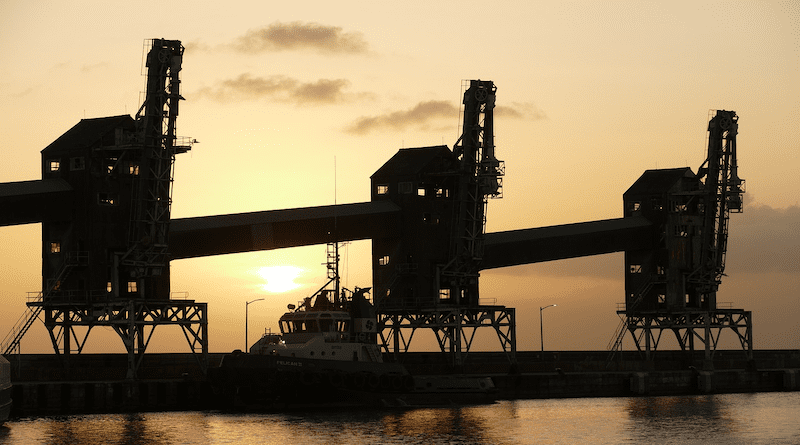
673	286
105	260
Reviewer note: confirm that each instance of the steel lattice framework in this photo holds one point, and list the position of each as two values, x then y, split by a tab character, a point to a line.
454	327
133	320
691	326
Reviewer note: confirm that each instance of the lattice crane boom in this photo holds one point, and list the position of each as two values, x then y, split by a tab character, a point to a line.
722	194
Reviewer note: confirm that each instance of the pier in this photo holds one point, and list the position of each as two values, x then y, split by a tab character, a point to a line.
96	383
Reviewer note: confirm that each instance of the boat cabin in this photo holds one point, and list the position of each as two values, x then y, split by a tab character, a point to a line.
333	325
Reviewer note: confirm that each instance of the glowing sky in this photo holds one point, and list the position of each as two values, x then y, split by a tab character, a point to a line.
590	94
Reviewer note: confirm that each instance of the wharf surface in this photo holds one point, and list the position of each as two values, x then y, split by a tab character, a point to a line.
91	383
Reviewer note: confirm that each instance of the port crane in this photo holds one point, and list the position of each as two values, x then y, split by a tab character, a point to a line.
108	239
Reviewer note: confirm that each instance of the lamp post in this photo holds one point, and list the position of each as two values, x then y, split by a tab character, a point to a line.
246	310
541	328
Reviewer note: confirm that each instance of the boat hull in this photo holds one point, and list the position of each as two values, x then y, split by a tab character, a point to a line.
263	382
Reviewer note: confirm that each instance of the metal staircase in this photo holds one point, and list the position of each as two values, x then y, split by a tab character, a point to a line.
11	341
615	344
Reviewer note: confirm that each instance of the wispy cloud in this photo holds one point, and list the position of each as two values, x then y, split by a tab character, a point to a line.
765	239
300	36
280	88
320	92
520	110
424	113
95	66
420	115
293	36
194	46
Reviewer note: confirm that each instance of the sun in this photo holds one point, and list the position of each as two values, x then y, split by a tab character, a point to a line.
279	278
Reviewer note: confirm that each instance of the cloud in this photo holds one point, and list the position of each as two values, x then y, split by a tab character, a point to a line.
89	68
424	112
321	91
301	36
520	111
420	115
280	88
764	239
195	46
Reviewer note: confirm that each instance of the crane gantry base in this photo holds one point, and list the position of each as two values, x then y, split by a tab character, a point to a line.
133	320
690	326
454	327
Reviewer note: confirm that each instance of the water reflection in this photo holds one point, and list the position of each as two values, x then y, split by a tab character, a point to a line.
686	418
437	425
121	429
734	418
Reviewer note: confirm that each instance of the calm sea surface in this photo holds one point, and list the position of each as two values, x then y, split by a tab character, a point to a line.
764	418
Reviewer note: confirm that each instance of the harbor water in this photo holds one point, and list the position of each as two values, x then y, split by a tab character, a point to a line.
755	418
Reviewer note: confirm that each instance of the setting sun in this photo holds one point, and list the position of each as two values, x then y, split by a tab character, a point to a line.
279	278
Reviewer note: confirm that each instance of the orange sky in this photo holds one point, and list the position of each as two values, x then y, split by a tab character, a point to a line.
592	94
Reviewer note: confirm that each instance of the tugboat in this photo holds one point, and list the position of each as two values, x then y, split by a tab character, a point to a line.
327	354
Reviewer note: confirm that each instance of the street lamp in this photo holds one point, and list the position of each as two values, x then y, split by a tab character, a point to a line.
246	310
541	328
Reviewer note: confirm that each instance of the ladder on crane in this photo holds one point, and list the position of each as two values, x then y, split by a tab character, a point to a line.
12	340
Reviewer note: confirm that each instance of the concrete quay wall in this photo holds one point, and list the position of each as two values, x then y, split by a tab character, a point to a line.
654	383
45	384
50	398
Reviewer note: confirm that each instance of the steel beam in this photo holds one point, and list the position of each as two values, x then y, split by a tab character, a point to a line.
526	246
276	229
27	202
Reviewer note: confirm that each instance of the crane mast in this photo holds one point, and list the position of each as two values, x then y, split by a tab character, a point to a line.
722	194
146	254
479	177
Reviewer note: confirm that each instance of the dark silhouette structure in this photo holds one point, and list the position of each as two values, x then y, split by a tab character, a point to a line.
105	241
673	284
104	202
427	275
